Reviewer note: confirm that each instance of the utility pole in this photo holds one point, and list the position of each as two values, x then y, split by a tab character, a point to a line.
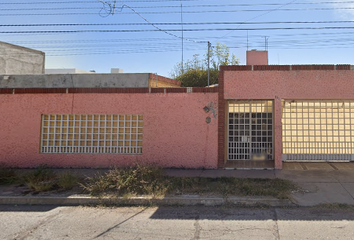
182	36
209	46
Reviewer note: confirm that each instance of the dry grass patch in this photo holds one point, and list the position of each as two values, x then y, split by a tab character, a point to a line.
44	179
138	180
145	180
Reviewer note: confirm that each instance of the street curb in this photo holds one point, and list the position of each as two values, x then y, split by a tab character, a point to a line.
185	200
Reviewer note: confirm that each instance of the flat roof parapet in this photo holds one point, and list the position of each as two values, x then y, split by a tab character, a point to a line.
107	90
120	80
309	67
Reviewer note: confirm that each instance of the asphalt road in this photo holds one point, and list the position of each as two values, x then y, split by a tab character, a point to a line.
52	222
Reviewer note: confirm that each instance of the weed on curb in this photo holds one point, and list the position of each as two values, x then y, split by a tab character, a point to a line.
145	180
44	179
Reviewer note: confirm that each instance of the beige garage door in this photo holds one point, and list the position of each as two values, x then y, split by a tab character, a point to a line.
318	130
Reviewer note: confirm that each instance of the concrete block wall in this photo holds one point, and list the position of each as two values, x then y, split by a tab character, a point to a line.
19	60
121	80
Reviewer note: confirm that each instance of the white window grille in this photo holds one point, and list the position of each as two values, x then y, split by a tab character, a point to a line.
250	130
114	134
318	130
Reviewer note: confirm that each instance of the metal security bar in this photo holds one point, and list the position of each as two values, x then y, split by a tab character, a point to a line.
114	134
318	130
250	130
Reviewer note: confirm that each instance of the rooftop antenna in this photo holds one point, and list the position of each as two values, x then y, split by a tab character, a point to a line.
266	43
247	40
266	46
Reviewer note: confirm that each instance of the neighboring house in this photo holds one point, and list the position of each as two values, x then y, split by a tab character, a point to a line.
66	71
258	117
76	71
20	60
124	79
65	81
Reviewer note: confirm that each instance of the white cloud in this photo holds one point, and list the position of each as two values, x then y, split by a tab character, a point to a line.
342	9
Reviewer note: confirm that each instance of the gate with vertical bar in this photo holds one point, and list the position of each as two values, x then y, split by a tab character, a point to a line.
250	130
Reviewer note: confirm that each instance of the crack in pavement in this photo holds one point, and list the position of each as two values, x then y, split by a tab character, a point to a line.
24	234
197	229
276	226
346	190
118	224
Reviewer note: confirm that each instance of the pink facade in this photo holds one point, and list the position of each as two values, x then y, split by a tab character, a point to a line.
313	84
286	82
175	131
180	129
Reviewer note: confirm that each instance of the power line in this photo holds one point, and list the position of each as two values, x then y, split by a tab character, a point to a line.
169	23
334	41
132	45
138	7
159	29
108	52
104	40
177	12
153	1
90	2
169	30
154	48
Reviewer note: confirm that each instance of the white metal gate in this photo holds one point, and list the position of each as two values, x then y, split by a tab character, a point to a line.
250	130
318	130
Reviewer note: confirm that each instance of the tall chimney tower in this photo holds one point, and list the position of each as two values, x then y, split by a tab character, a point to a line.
255	57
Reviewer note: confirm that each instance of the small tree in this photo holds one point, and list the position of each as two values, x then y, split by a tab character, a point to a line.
195	71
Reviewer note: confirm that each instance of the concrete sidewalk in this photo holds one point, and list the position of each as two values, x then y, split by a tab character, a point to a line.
321	183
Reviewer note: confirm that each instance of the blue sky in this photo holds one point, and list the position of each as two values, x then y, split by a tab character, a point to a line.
150	50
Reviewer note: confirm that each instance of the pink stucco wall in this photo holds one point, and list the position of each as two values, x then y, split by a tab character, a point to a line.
257	57
315	84
175	130
277	85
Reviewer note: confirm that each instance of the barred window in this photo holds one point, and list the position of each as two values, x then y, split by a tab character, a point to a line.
114	134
